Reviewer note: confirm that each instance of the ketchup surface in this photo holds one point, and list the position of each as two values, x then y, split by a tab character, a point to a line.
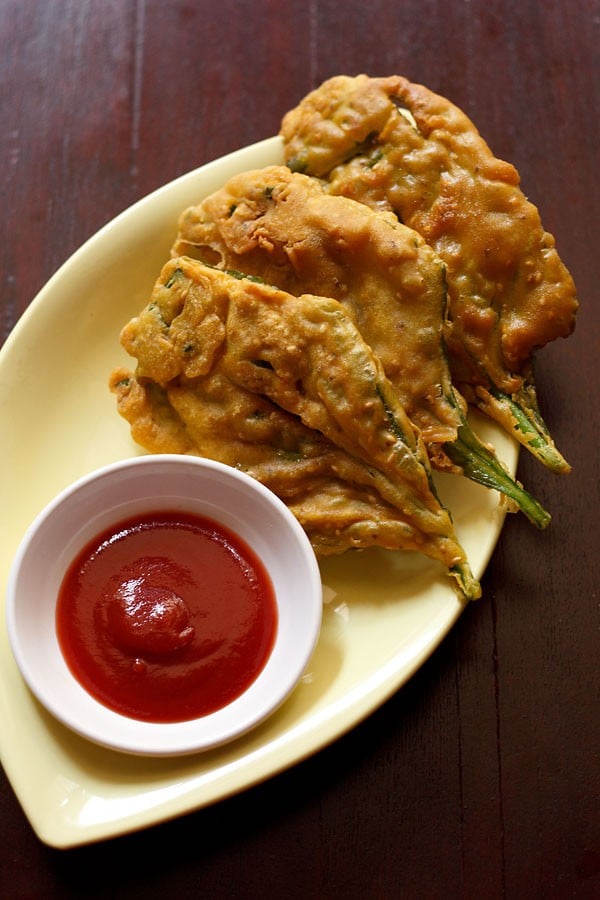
166	617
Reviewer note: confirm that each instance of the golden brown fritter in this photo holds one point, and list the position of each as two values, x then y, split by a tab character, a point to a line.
284	228
397	146
205	331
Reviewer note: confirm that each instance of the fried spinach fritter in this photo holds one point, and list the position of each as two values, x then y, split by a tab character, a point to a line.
207	330
397	146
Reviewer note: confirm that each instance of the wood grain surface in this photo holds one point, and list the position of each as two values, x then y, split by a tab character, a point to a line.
479	779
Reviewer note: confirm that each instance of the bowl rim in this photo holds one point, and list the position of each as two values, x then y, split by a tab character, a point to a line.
206	732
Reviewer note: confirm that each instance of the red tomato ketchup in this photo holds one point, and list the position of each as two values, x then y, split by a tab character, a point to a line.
166	617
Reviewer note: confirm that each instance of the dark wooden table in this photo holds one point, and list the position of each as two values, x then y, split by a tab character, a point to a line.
479	778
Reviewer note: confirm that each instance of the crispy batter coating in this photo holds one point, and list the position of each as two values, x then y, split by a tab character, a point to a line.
285	228
510	293
303	397
397	146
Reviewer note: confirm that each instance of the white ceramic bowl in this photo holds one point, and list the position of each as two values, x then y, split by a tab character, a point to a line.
129	488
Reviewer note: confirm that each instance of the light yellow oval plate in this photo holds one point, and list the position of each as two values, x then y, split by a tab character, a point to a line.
384	612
